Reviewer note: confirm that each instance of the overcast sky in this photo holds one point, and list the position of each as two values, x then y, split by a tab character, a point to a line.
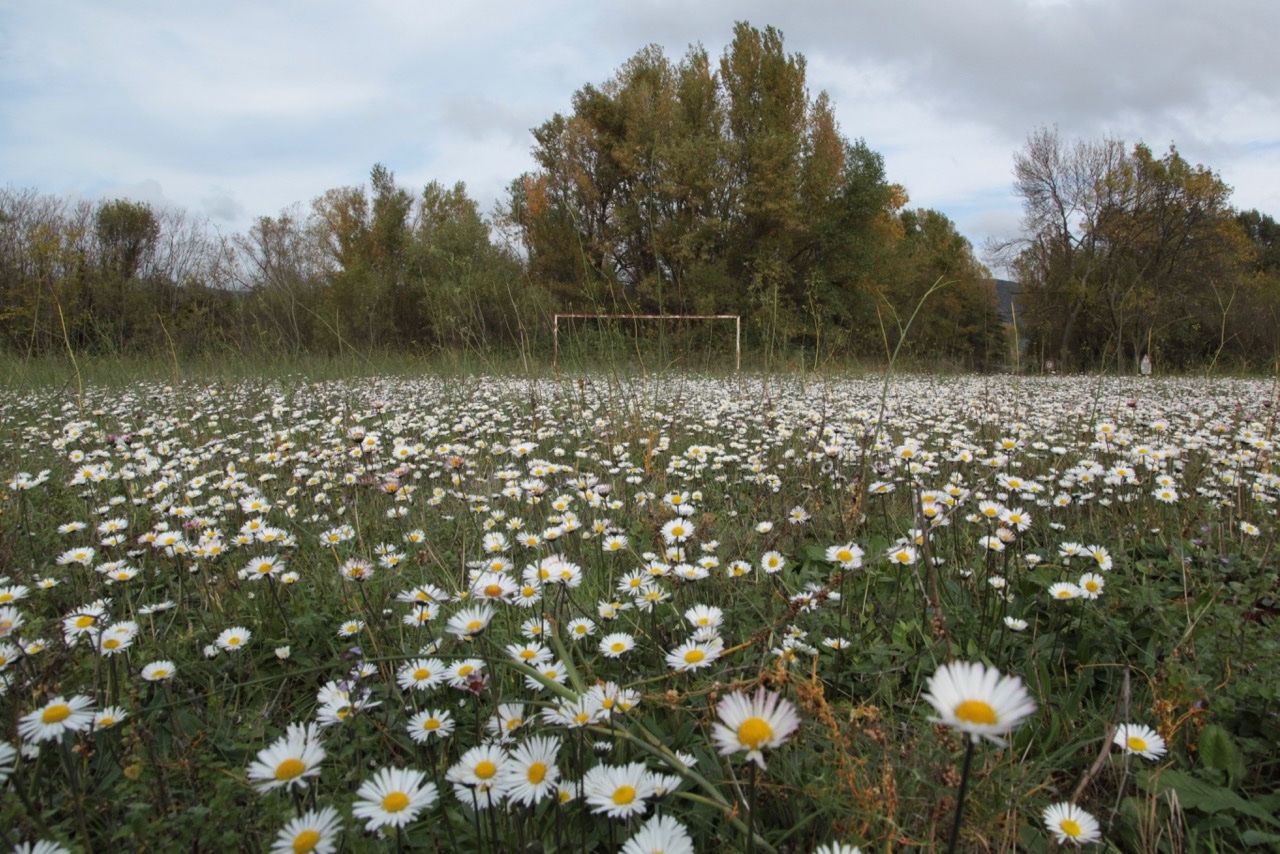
239	108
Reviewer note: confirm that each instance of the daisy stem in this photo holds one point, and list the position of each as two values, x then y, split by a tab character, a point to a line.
475	816
34	814
288	629
751	810
73	775
964	785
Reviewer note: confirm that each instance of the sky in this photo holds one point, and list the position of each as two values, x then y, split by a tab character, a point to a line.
237	109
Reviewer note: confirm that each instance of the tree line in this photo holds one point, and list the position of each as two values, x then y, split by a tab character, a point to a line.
687	186
1125	253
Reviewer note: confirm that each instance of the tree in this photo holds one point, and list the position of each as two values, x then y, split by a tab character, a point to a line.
959	321
1123	252
1059	254
677	188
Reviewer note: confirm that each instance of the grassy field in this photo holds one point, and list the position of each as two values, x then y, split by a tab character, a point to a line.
364	607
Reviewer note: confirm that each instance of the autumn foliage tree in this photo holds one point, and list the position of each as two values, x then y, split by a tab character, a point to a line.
1125	253
702	187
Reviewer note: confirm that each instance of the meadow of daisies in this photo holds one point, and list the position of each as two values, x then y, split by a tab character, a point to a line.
669	613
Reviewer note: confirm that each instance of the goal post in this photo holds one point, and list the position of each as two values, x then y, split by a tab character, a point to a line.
736	318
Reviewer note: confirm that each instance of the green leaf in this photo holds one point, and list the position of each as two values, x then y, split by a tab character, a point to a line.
1260	837
1194	793
1218	750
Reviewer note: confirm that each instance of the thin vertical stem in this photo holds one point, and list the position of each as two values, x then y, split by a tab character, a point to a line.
964	785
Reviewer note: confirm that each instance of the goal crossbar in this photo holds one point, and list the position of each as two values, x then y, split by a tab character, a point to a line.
736	318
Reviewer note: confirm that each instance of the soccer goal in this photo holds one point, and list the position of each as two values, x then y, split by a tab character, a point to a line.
736	318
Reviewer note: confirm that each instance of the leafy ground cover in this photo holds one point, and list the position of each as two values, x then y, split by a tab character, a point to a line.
662	613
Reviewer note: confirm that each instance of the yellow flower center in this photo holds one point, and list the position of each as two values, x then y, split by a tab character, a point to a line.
1137	745
537	772
624	795
1064	594
976	712
56	714
431	724
1070	828
528	654
493	591
290	769
844	556
475	626
84	621
485	769
618	646
110	643
693	656
159	674
6	597
395	802
754	732
305	842
106	721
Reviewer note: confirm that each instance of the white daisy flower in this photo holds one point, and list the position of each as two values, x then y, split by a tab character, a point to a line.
1069	823
395	797
661	834
753	723
288	762
314	832
56	717
1141	740
618	791
973	698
